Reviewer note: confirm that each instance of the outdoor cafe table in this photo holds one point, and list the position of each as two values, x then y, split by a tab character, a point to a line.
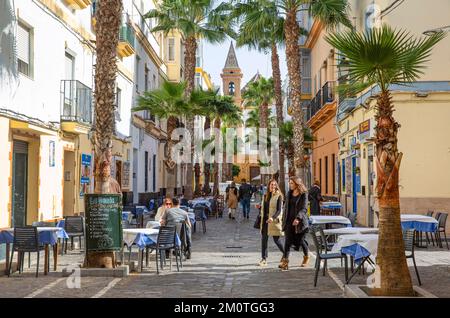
47	236
351	230
331	207
142	238
420	223
360	246
329	219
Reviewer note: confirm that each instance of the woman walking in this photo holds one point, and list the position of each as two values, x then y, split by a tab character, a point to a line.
232	200
315	197
295	221
271	213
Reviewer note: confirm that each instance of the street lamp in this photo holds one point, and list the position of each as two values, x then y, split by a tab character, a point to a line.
434	31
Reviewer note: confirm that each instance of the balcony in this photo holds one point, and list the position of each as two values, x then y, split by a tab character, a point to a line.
126	44
76	106
323	97
78	4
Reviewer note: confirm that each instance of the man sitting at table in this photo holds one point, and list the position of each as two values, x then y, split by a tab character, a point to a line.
176	215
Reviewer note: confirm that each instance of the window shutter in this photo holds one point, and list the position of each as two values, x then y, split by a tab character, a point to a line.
23	43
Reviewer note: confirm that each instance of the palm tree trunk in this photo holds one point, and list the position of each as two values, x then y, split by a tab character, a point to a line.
276	75
189	76
107	37
292	33
216	163
170	164
395	277
206	166
264	119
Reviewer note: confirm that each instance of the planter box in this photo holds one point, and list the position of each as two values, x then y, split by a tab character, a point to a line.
357	291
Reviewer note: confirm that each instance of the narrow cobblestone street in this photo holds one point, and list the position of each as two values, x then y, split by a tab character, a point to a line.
224	264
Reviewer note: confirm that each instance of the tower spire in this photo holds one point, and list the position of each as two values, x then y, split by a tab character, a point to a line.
231	61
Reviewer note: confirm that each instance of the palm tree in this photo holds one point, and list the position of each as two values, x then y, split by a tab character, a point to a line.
384	57
107	37
194	19
329	12
262	29
169	102
260	94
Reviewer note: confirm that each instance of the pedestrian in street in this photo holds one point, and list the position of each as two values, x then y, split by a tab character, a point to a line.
245	194
271	213
167	204
295	221
232	200
315	197
175	215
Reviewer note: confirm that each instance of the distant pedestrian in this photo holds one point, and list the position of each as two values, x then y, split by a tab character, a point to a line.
271	220
245	194
315	197
295	221
232	200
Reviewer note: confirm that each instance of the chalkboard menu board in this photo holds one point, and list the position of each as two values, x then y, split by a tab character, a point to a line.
103	222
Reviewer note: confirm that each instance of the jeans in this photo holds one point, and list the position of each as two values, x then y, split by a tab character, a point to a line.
245	206
264	249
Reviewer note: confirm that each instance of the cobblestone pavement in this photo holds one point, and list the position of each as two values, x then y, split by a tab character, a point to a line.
224	264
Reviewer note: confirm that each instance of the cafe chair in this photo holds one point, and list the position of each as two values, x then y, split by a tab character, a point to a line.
26	239
200	212
166	242
409	241
442	219
74	227
322	253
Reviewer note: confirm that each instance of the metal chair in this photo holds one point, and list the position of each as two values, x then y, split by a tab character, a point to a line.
199	212
352	217
166	242
74	227
26	239
39	224
442	219
321	253
409	241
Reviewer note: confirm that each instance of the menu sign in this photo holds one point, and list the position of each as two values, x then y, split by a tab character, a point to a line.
103	222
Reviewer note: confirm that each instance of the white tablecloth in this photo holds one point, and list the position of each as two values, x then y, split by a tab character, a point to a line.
327	219
131	236
351	230
368	241
417	218
153	224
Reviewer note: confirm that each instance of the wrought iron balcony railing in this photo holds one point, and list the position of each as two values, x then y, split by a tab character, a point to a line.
76	102
324	96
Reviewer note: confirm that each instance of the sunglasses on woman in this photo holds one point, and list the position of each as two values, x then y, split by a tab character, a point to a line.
168	204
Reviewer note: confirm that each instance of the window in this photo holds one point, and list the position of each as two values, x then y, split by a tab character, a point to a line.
333	156
171	50
70	66
24	49
197	80
231	88
154	82
314	170
118	103
146	171
326	174
146	78
138	61
154	173
343	175
320	172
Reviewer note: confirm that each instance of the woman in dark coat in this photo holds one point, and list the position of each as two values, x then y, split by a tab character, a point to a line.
315	197
295	221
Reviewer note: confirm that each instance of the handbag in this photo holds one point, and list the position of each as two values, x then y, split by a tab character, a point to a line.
257	224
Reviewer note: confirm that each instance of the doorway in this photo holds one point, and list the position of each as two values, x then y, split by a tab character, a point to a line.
354	186
19	183
69	183
135	172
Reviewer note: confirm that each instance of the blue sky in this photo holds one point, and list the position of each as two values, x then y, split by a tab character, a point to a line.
250	61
